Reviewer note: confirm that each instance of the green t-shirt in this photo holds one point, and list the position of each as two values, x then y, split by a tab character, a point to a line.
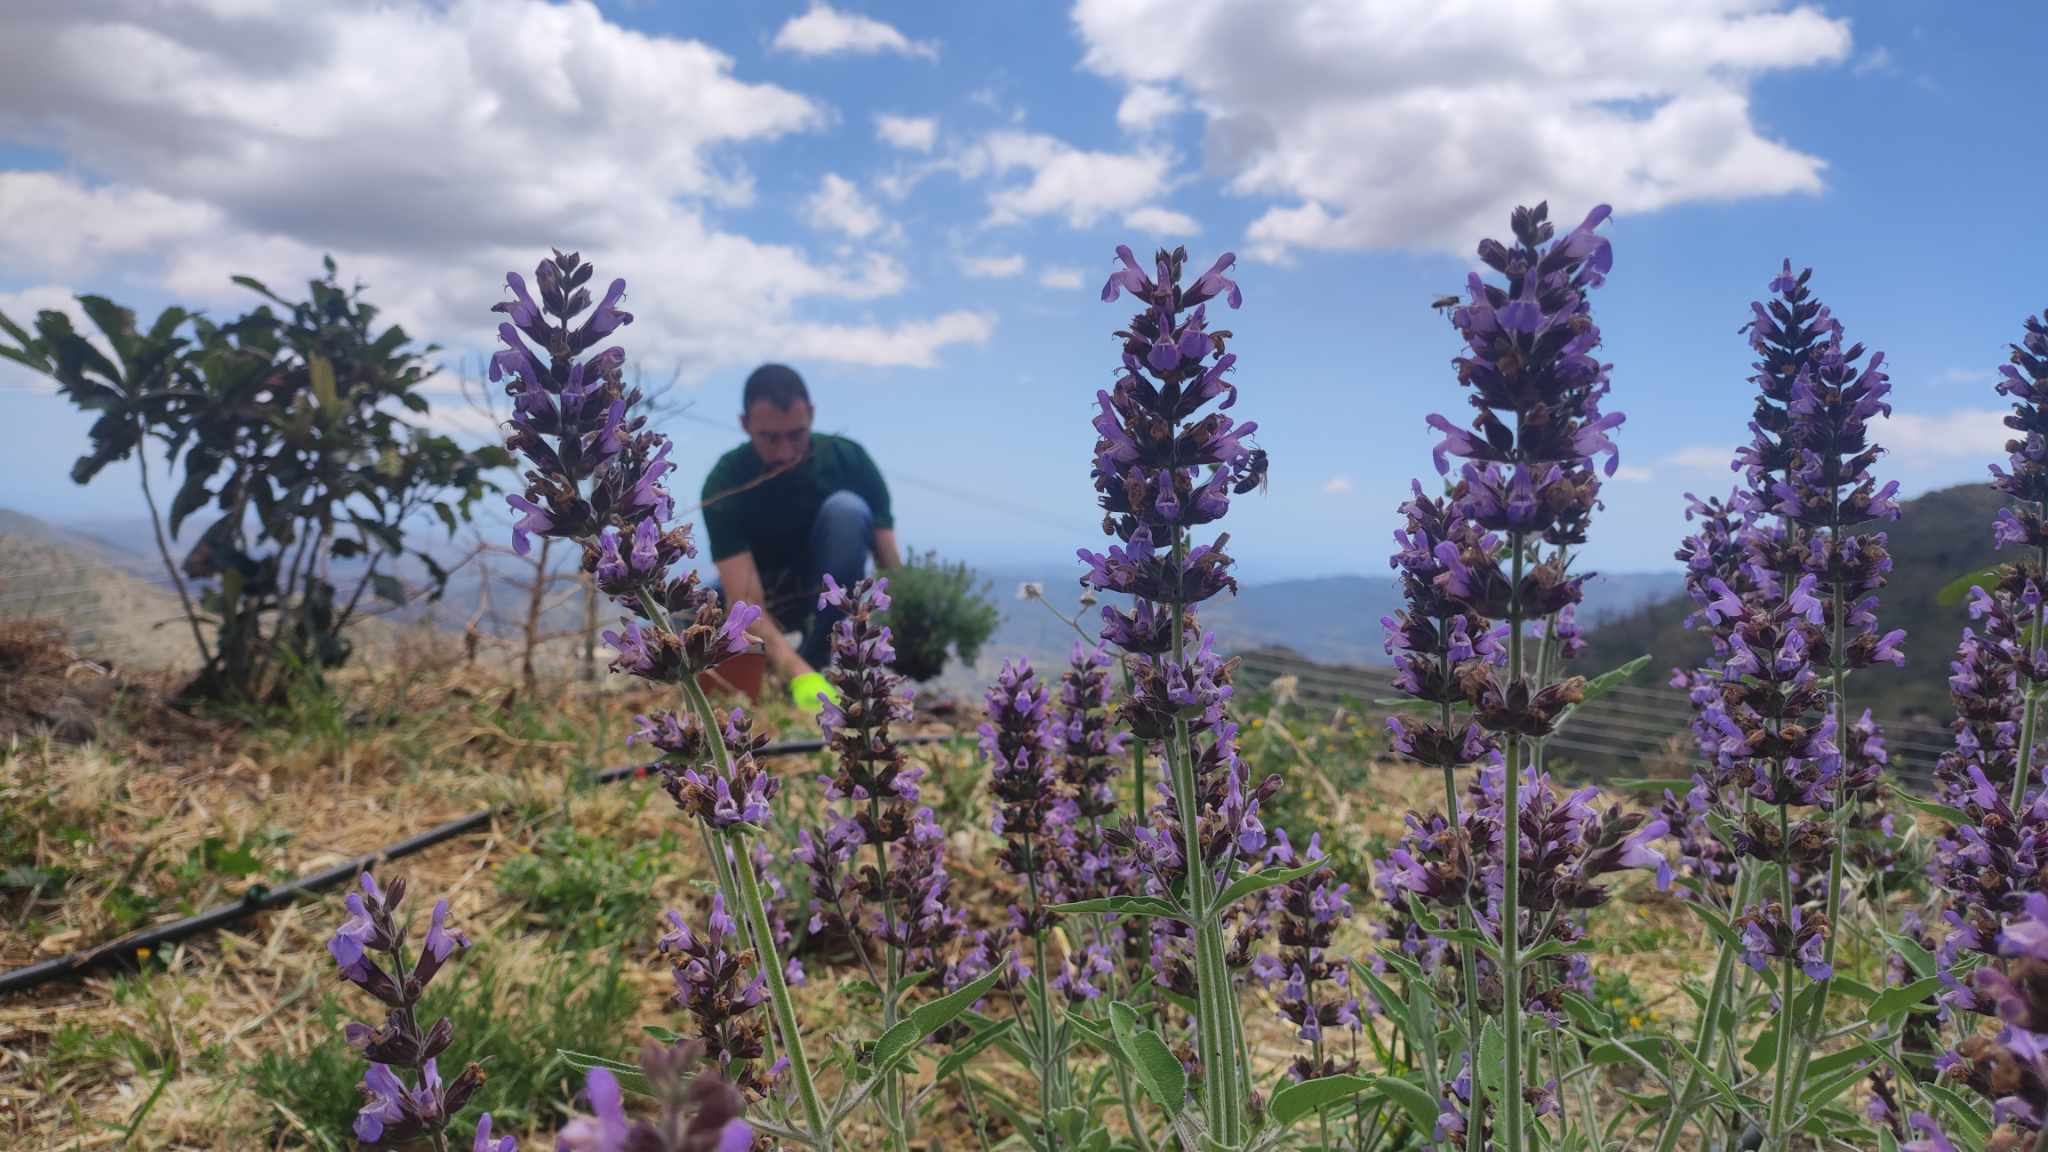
772	519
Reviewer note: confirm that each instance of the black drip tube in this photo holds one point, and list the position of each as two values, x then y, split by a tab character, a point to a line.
124	951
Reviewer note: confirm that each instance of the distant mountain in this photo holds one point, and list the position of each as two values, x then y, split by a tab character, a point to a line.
1329	619
1938	537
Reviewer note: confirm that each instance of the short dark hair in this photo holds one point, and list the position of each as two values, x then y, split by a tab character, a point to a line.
778	384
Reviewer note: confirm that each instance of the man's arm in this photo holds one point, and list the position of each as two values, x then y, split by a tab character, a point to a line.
742	581
886	555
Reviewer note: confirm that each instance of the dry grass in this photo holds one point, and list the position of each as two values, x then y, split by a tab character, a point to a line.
118	821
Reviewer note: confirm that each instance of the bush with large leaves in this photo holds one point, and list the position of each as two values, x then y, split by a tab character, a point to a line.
294	423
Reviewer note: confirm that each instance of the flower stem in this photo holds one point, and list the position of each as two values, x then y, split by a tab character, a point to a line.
1839	669
2024	771
1781	1110
1474	1138
892	1103
1511	900
770	965
1048	1049
1709	1030
1213	1003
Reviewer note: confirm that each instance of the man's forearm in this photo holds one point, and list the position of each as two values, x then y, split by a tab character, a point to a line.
781	657
886	555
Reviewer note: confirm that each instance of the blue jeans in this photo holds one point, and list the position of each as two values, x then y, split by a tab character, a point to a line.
841	538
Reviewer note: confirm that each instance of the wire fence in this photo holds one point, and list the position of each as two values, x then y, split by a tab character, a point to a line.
1634	730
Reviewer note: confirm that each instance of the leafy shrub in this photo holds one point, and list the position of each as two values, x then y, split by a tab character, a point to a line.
936	606
295	427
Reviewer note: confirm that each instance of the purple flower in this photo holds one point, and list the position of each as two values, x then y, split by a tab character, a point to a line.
1018	741
718	984
384	1103
1932	1138
735	794
483	1141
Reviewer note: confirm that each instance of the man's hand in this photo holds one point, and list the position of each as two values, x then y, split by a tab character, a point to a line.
886	555
742	581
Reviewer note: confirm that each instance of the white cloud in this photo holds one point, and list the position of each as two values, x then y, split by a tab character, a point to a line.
1420	123
826	31
1630	474
1338	485
992	267
910	345
1162	221
1145	106
257	144
1702	458
1916	441
62	227
910	133
838	206
1076	185
1878	59
1062	278
1912	441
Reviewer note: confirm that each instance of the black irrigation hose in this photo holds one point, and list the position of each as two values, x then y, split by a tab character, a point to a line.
127	950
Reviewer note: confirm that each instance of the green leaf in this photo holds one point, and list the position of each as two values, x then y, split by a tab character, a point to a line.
963	1054
1823	1065
1958	1111
1958	590
255	285
1893	1001
1311	1096
1652	783
1919	959
1582	1012
666	1036
897	1044
1263	879
629	1075
1120	906
1939	811
1613	678
1382	992
1420	1106
1716	925
1763	1054
1854	988
388	588
1159	1070
1554	947
1632	1050
1493	1059
1821	1091
1600	686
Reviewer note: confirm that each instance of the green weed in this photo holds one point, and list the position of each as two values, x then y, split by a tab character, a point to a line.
590	889
514	1027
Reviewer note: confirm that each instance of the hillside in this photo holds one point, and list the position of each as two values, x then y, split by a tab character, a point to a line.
1937	538
1329	619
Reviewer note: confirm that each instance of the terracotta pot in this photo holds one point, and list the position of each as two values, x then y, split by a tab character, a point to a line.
742	674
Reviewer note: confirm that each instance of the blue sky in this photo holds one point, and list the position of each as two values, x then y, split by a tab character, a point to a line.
916	206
